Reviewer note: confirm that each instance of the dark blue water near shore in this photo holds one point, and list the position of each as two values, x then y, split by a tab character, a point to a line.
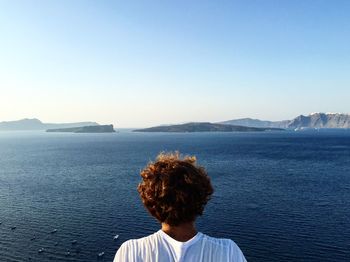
281	196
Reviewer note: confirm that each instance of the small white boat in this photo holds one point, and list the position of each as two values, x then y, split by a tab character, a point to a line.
116	237
53	231
41	250
101	254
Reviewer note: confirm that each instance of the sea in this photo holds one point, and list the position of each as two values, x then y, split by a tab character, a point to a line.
280	195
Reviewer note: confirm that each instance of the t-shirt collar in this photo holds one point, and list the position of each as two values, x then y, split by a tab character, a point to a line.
179	243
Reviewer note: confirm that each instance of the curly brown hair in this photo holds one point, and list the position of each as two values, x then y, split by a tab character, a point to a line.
174	189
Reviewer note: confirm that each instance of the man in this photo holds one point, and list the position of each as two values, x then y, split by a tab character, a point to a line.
175	191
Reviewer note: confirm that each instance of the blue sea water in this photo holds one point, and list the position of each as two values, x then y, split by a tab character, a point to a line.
281	196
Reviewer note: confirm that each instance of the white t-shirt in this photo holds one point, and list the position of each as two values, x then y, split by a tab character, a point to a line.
161	247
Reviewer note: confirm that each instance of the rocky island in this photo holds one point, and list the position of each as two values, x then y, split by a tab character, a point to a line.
85	129
203	127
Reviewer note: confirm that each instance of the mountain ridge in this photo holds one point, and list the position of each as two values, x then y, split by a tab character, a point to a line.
85	129
36	124
313	120
321	120
251	122
202	127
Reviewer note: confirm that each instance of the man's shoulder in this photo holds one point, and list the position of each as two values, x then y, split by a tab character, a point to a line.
134	243
219	241
227	246
135	249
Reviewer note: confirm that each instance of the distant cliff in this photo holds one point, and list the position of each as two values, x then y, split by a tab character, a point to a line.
201	127
86	129
36	124
314	120
321	120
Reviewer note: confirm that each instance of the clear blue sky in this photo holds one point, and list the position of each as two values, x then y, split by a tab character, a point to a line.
143	63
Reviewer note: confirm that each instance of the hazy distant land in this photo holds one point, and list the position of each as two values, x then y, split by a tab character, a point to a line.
203	127
85	129
36	124
250	122
312	121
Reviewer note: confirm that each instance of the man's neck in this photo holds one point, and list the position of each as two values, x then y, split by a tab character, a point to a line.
182	233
